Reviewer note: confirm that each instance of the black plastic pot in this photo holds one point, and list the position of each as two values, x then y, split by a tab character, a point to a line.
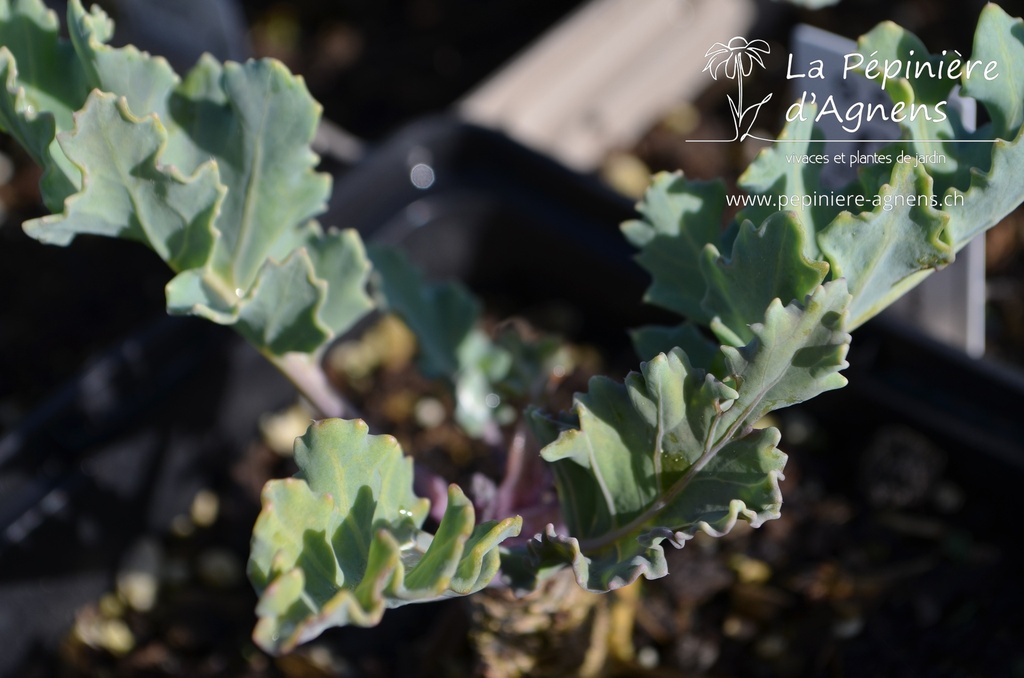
527	234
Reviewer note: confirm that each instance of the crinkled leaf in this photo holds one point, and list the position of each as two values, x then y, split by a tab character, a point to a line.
146	82
255	119
797	352
44	84
773	174
297	305
678	218
925	130
280	312
258	121
985	189
342	541
886	251
128	193
935	208
999	38
992	194
53	80
888	42
995	189
767	262
672	450
214	173
972	187
338	257
883	253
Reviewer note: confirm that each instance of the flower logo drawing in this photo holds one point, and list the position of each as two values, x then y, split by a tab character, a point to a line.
737	60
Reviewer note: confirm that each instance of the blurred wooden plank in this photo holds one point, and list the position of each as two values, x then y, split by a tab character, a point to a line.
603	76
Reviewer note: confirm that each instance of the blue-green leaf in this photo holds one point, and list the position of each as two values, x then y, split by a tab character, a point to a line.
342	541
906	219
930	124
678	218
767	262
444	318
991	195
258	121
44	84
672	450
883	253
775	175
214	173
441	315
129	194
999	39
145	82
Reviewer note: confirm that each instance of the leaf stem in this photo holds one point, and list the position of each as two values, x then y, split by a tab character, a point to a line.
311	381
520	474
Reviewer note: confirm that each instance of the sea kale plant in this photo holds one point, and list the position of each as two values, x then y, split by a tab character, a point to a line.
213	171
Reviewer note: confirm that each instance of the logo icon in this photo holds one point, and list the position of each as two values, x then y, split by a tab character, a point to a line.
737	59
